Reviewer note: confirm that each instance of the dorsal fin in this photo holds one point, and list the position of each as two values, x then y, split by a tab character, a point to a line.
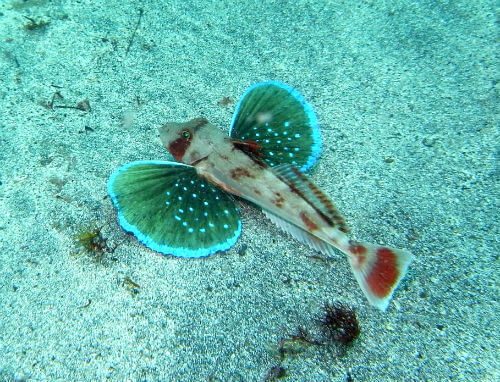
301	184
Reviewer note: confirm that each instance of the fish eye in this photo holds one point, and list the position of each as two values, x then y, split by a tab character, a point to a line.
186	134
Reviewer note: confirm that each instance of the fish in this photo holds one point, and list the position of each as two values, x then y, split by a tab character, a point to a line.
188	208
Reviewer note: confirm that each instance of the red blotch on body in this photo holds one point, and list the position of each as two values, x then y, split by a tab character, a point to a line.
178	148
278	202
240	172
311	226
384	273
357	249
359	252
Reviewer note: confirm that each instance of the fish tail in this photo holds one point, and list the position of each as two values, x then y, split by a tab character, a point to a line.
378	270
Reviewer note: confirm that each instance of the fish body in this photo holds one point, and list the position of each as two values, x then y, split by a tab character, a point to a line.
274	139
225	163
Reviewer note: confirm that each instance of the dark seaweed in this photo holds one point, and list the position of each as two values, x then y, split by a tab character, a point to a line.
339	323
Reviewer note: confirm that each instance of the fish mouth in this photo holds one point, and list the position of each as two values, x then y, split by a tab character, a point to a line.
163	131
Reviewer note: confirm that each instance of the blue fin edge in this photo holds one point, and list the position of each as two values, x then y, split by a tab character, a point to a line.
148	241
313	121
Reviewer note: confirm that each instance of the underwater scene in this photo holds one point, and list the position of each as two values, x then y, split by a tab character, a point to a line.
249	191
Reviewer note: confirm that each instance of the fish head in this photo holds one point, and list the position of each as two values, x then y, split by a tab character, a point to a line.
190	141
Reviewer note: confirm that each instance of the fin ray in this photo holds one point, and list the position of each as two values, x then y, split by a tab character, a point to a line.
301	235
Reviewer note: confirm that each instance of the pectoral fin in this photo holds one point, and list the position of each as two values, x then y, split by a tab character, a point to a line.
171	210
281	122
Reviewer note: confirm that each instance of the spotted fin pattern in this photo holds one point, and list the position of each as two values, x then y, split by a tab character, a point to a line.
171	210
277	117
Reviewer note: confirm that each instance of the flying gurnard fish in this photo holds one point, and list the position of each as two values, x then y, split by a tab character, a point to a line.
186	208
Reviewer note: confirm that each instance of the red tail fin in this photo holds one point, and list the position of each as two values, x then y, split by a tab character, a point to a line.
378	270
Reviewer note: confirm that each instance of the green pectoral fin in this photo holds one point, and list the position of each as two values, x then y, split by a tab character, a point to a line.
279	119
171	210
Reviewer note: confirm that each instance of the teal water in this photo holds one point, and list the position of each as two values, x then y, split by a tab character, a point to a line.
406	95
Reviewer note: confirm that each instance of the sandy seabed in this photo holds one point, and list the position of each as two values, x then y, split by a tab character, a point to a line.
406	93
